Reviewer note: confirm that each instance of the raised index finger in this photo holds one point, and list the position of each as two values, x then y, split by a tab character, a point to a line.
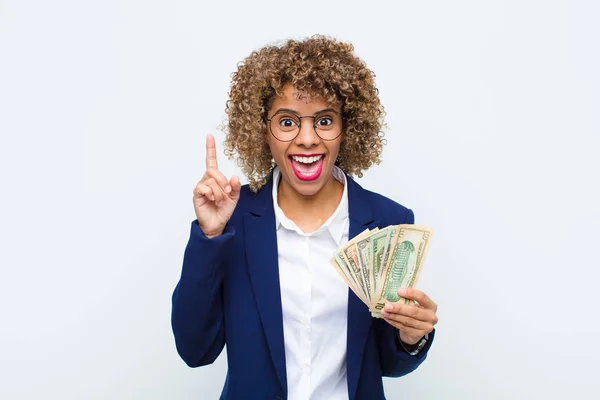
211	152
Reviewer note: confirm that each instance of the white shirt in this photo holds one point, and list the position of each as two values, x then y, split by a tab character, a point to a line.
314	300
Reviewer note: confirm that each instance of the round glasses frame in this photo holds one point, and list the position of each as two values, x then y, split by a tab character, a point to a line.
314	117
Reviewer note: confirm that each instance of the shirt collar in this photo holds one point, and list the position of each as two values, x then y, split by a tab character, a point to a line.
336	224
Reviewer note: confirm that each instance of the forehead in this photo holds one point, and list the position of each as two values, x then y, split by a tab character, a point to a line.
298	100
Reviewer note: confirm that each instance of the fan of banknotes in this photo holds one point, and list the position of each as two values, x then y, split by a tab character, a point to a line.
376	263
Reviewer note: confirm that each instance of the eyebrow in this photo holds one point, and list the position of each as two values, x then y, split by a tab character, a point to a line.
296	112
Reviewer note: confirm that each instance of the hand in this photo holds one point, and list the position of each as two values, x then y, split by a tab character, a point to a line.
413	321
215	197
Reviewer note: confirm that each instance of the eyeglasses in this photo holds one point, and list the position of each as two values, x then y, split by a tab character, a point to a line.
285	125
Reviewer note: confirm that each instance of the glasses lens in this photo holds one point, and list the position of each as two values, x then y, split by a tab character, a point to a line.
328	125
285	126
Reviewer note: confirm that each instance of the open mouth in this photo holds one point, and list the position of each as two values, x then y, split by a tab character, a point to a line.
307	167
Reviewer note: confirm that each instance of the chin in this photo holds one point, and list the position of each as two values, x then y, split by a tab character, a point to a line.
307	190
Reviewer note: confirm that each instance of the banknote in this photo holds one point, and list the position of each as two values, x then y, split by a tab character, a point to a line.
407	254
363	249
342	269
350	255
379	242
348	263
351	272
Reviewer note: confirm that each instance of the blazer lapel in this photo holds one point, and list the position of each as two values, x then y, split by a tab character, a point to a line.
359	317
262	258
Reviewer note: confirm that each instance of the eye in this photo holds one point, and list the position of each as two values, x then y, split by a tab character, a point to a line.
324	122
287	122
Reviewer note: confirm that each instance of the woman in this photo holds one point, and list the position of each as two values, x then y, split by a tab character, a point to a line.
256	273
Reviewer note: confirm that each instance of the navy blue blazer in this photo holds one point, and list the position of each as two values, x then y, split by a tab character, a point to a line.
229	293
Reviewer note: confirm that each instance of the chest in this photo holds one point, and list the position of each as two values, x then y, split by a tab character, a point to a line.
311	290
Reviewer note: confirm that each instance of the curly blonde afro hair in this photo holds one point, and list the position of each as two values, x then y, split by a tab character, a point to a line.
320	67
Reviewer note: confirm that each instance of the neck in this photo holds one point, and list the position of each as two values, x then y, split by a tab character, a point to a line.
310	212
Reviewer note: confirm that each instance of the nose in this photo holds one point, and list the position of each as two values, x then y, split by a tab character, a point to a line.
307	136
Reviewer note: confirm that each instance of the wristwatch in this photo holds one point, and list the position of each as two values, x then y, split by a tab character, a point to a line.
414	349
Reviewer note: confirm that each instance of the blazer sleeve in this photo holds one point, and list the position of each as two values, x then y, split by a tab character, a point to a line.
197	303
395	360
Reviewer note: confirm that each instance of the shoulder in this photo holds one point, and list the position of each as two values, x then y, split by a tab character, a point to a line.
250	200
246	196
385	209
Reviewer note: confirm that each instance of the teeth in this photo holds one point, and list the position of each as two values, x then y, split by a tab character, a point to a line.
307	160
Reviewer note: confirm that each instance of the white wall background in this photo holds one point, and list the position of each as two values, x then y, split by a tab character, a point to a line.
493	113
